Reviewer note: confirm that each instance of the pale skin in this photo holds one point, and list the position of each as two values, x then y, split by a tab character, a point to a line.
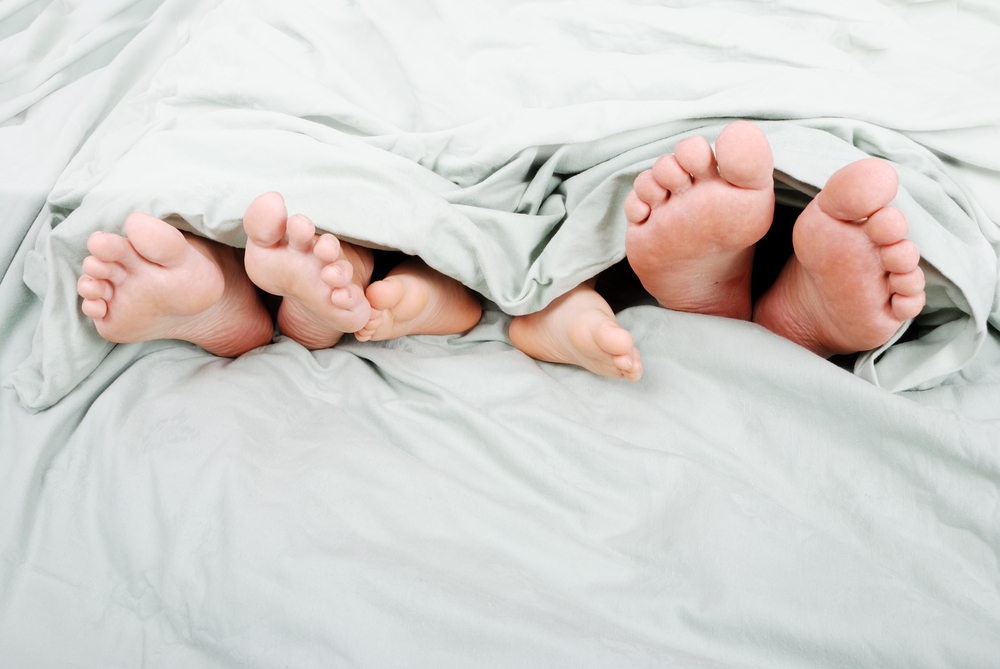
579	328
693	223
159	283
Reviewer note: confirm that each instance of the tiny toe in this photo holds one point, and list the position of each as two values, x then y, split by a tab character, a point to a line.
695	157
886	226
99	269
900	257
82	285
94	240
624	362
905	307
907	283
108	247
346	297
93	289
301	233
337	274
327	248
670	175
647	190
94	308
368	331
636	211
630	365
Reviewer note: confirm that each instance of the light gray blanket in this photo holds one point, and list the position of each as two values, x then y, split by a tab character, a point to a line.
447	501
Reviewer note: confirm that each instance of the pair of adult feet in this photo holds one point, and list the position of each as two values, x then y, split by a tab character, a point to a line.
693	222
159	283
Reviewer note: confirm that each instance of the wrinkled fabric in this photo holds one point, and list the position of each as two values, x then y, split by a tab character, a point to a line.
447	501
498	141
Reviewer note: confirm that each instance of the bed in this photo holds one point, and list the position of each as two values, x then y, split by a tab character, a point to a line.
438	501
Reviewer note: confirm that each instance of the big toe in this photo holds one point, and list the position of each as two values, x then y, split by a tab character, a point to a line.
744	156
386	294
617	342
858	190
155	240
613	339
265	219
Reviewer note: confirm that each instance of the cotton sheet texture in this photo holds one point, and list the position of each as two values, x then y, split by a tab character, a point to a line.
439	501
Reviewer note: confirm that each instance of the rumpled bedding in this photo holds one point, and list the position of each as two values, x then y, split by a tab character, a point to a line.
447	501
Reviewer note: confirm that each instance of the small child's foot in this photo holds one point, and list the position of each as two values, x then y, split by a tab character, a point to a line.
854	279
579	328
321	279
415	299
693	221
160	283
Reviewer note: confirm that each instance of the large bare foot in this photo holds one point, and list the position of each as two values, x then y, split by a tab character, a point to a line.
579	328
160	283
415	299
322	280
853	279
693	221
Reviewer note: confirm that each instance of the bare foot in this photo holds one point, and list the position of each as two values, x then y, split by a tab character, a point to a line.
415	299
579	328
693	221
854	278
160	283
321	279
